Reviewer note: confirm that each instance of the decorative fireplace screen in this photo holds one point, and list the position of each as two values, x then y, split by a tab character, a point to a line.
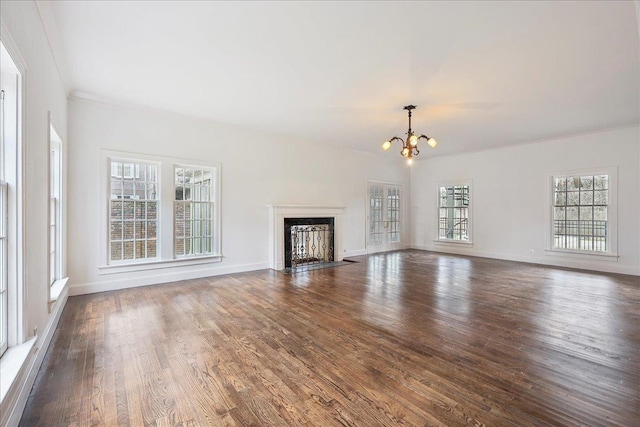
308	241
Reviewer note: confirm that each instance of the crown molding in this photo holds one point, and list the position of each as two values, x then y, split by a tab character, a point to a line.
52	34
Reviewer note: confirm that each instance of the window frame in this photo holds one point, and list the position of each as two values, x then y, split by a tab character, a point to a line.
165	191
455	183
14	316
612	213
135	162
213	202
56	206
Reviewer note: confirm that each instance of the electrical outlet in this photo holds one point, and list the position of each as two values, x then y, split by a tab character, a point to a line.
533	252
35	331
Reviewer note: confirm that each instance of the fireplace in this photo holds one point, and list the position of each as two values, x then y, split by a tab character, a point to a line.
308	241
317	239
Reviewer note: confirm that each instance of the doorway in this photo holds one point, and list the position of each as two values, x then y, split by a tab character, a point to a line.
384	217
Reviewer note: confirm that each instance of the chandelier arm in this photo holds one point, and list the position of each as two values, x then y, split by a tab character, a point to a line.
397	138
423	136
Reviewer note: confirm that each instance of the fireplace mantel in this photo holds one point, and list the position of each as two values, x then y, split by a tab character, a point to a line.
277	214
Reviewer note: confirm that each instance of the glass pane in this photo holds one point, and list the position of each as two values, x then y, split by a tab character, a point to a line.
140	210
600	213
586	213
600	197
586	197
572	213
179	248
601	182
151	248
116	210
558	213
573	183
586	182
573	198
151	192
116	230
152	173
560	184
152	210
151	229
561	198
116	189
140	190
128	230
141	251
141	229
128	250
179	193
128	208
116	251
179	211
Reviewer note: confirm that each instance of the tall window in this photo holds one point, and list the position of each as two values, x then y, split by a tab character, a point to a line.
10	201
55	207
194	211
453	213
133	211
581	212
3	234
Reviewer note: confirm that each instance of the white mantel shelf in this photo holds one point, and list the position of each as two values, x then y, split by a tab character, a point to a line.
277	214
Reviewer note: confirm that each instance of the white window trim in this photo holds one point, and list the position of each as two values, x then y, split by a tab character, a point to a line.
612	215
166	197
437	239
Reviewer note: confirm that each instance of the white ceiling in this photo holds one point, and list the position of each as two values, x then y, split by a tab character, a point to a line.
482	74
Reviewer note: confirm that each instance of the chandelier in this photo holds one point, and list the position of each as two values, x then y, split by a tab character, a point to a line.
410	145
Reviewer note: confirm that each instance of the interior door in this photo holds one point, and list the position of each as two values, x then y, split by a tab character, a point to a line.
384	217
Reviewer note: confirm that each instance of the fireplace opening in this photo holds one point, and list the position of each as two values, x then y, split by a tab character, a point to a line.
308	241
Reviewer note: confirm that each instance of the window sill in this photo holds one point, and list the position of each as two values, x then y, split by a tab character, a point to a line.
56	289
581	254
154	265
455	242
11	363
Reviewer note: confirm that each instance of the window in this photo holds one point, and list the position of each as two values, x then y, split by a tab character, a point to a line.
133	211
158	212
11	295
55	207
193	211
453	213
583	212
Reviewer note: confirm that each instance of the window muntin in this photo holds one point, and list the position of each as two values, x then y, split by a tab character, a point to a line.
194	211
453	213
581	212
133	211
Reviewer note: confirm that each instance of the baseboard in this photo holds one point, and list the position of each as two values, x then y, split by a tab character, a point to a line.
606	267
133	282
16	399
355	252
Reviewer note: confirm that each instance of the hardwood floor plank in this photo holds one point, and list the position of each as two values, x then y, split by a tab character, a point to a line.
408	338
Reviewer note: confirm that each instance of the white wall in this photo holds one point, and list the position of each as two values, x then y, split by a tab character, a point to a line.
43	93
257	170
510	193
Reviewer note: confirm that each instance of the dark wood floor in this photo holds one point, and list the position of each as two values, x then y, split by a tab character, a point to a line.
404	338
